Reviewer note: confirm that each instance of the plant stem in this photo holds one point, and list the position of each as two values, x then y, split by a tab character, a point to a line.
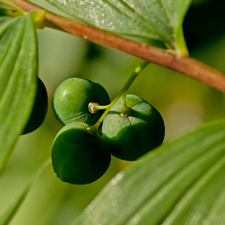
180	43
121	93
125	107
101	107
185	65
93	107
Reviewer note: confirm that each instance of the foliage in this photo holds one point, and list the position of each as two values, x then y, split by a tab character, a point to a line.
159	20
18	79
174	183
180	182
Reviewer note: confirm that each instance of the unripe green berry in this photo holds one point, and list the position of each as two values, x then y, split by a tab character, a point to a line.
79	157
39	110
133	133
72	97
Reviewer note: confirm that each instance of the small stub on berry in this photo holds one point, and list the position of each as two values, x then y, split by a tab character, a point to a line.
126	113
93	130
92	107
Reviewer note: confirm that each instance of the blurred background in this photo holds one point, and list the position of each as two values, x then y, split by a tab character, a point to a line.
183	102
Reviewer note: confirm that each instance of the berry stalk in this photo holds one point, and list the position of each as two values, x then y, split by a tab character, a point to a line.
93	129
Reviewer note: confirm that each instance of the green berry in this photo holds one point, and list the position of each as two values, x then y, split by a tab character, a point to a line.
79	157
132	134
72	97
39	110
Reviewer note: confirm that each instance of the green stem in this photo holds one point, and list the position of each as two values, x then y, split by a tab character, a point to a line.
93	107
181	46
125	107
121	93
101	107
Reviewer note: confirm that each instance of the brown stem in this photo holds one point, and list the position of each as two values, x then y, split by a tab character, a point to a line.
185	65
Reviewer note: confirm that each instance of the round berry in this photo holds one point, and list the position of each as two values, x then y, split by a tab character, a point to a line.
79	157
39	110
72	97
133	133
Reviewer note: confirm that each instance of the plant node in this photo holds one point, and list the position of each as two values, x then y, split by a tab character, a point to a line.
92	107
93	130
126	113
39	18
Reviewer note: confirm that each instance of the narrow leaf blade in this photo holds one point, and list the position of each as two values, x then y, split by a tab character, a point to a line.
174	184
8	214
18	70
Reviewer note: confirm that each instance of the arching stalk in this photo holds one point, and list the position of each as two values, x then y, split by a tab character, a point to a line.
94	129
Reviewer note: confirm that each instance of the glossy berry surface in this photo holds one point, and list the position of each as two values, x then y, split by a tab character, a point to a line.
71	99
79	157
131	136
39	110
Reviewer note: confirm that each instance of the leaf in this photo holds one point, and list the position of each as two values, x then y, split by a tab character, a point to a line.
18	70
182	182
155	19
8	214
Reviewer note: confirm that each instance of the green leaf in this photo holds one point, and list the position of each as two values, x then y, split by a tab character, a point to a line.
11	210
155	19
18	70
9	12
182	182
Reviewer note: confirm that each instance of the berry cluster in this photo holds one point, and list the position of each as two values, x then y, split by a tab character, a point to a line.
81	151
79	157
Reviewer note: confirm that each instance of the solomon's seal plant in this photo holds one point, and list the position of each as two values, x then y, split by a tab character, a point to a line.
180	182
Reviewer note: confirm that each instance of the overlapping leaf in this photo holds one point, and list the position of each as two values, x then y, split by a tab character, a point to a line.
18	70
155	19
182	182
11	210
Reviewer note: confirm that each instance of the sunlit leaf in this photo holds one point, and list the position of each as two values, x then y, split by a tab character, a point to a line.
155	19
182	182
10	211
18	70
